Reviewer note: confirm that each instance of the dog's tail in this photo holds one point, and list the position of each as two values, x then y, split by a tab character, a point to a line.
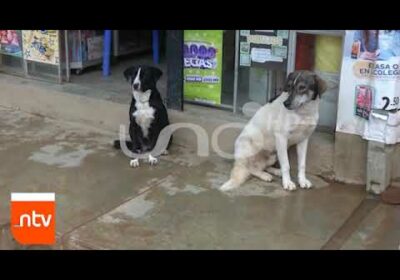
117	144
239	175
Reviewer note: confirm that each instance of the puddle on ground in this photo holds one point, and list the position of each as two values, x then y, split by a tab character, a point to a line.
135	208
61	155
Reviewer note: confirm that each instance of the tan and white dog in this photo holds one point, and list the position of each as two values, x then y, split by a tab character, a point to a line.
288	120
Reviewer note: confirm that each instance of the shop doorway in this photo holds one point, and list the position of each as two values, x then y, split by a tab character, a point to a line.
320	51
129	47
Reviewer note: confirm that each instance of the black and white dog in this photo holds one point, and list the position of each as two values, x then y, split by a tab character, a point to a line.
147	114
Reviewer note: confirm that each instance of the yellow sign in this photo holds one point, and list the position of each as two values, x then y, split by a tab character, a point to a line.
328	53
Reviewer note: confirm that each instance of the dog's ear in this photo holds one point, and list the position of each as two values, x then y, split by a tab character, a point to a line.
289	82
157	73
130	72
320	86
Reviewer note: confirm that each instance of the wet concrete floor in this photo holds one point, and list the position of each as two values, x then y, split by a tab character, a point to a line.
103	203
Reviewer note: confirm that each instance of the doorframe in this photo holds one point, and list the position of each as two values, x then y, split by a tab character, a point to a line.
174	55
292	56
293	42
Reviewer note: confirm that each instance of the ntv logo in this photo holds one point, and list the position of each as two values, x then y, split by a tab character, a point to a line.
33	218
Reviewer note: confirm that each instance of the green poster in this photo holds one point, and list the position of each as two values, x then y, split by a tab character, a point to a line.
203	65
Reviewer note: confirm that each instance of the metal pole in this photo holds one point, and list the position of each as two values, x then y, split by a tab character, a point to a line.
291	51
59	57
24	61
80	51
106	52
156	47
115	42
67	68
236	73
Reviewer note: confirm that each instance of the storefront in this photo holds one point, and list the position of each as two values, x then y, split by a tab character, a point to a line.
224	69
34	53
228	69
54	55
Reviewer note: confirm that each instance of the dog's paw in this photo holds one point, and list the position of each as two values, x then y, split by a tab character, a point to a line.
227	186
304	183
152	160
134	162
165	153
289	185
266	177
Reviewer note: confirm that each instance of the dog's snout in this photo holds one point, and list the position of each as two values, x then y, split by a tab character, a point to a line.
136	86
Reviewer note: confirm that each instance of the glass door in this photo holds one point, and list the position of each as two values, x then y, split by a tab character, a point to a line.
262	57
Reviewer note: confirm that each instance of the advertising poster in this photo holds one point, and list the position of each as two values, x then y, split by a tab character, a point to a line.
10	42
41	46
370	84
264	48
203	65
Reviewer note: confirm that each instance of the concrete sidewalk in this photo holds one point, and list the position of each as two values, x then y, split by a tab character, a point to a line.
102	203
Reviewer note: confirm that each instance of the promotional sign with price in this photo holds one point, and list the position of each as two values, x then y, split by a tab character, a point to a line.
382	77
370	78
